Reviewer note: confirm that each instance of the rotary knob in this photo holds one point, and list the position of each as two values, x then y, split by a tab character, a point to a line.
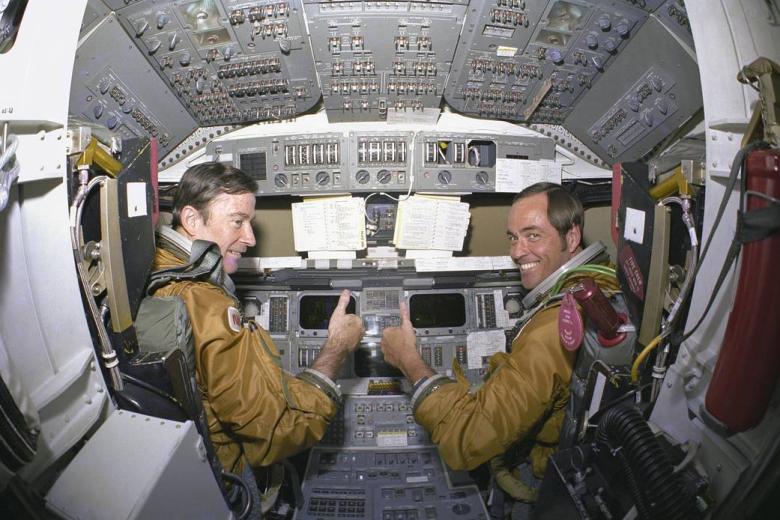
162	20
597	62
97	111
622	28
322	178
482	178
592	39
445	177
555	56
280	180
173	39
605	23
362	176
384	176
611	45
184	59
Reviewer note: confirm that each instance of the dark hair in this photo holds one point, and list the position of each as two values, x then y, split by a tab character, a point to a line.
201	183
564	210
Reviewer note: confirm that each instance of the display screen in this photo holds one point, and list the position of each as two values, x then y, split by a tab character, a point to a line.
253	164
369	362
437	310
375	325
314	310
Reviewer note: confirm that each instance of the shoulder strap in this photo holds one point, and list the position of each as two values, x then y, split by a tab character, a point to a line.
205	262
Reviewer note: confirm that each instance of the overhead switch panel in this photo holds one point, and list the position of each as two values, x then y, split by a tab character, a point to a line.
228	62
120	92
531	61
382	61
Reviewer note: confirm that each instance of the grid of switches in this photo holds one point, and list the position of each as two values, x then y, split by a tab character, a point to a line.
433	355
373	151
486	310
311	154
337	507
306	356
277	319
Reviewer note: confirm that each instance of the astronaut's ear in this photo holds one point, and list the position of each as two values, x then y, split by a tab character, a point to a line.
573	238
191	220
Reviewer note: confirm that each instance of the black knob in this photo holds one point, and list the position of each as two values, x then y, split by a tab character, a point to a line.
445	177
362	176
280	180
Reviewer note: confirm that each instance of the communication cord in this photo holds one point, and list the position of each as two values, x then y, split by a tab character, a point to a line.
108	354
659	369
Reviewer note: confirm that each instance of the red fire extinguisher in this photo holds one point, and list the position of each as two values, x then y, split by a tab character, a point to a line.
748	366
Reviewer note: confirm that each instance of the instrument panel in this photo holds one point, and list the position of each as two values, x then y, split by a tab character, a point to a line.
443	318
529	61
375	461
385	159
293	164
381	61
165	68
228	62
380	161
392	484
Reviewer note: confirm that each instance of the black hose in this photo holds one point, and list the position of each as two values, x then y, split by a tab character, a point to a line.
640	500
247	502
156	391
657	491
295	482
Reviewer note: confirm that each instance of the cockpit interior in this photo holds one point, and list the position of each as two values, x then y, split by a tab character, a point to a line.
388	140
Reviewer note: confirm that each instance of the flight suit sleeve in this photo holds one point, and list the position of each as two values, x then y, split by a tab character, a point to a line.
271	413
470	428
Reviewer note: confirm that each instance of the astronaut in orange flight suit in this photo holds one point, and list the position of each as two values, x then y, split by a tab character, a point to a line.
524	397
257	414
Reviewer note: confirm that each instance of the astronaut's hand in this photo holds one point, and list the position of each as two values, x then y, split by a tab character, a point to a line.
399	343
399	347
345	330
344	334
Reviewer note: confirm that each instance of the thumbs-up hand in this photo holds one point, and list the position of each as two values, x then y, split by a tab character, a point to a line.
399	344
345	330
